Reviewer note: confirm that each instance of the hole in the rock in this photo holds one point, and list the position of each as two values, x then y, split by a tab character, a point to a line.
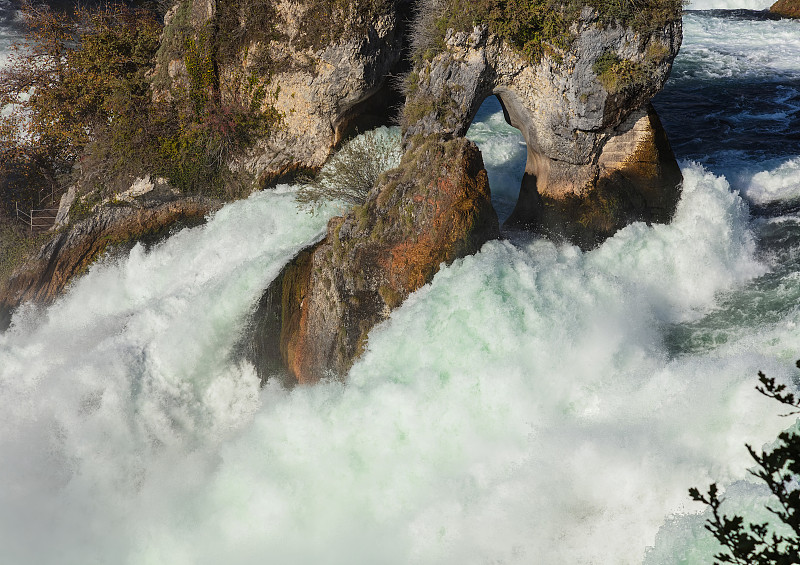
504	155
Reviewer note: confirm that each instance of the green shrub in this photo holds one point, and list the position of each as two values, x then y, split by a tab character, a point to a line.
617	74
762	544
73	76
91	104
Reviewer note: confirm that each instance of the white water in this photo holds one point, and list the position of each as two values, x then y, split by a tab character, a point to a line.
781	183
725	47
523	407
729	4
528	406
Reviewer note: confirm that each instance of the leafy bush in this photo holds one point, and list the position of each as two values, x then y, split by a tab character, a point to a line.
760	544
616	74
62	78
75	75
353	172
81	86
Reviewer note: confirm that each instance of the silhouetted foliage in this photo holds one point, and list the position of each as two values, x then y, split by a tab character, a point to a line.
759	544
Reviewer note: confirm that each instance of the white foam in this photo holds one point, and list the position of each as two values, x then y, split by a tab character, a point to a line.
778	184
504	155
729	4
724	47
521	407
123	378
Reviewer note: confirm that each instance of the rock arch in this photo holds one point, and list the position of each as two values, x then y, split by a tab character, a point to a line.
597	159
591	144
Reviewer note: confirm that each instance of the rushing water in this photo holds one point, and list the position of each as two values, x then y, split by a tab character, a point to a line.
533	404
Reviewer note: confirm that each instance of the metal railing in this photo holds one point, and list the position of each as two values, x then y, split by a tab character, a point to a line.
42	217
37	219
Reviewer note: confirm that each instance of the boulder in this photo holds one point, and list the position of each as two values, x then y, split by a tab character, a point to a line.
786	8
428	212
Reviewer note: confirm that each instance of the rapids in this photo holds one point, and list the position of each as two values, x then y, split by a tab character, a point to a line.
533	404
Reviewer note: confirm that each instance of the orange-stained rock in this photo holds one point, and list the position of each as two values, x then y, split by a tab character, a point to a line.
637	179
433	209
45	276
786	8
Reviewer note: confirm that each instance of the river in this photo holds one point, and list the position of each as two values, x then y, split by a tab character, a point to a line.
533	404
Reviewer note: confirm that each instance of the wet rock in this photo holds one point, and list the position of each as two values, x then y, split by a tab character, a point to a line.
428	212
786	8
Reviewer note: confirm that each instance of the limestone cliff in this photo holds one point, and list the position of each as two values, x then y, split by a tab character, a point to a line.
575	81
598	159
320	68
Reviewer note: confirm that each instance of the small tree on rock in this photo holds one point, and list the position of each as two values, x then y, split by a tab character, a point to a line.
759	544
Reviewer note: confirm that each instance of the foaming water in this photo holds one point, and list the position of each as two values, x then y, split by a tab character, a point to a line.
738	76
724	44
525	405
780	183
9	30
729	4
130	376
504	155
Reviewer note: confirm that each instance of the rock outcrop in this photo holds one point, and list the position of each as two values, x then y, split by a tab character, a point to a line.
583	113
312	71
430	211
319	69
45	276
598	159
786	8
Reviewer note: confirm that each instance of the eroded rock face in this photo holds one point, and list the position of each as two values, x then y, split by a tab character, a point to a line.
44	277
431	210
637	179
322	74
569	115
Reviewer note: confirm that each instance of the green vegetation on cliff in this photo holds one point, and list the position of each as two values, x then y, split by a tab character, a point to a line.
75	75
84	111
534	27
